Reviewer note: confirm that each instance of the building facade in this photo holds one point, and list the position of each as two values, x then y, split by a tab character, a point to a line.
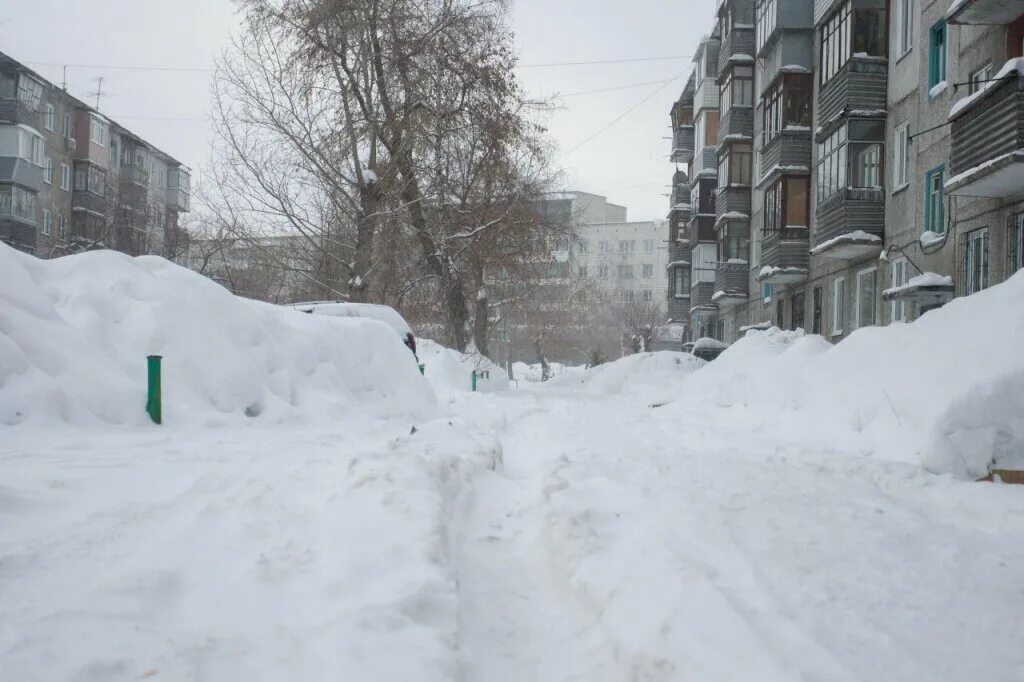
870	163
625	262
72	179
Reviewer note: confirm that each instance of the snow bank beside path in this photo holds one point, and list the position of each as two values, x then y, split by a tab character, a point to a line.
943	391
660	370
75	333
450	371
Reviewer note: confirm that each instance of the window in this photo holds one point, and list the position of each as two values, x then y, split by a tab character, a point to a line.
838	305
47	222
787	204
602	271
816	296
48	170
866	298
66	131
681	280
627	245
63	231
648	246
734	165
870	33
904	26
975	261
851	157
766	293
934	208
625	271
97	131
648	272
787	104
734	244
899	278
30	91
980	77
65	177
1015	244
780	313
765	22
901	156
737	90
50	118
17	202
835	43
583	271
937	54
648	296
90	178
832	164
797	313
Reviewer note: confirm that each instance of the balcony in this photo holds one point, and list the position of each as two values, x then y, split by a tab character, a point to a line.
732	284
21	172
683	145
178	199
135	175
850	224
679	308
788	153
701	229
705	164
988	142
82	200
985	12
784	257
737	124
732	204
737	48
859	86
700	296
17	112
14	232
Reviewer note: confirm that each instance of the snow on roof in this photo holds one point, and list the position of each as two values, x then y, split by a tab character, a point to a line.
709	343
1014	67
929	238
370	311
929	280
1017	155
855	236
677	263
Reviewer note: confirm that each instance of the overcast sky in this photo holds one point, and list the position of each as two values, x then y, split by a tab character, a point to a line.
628	162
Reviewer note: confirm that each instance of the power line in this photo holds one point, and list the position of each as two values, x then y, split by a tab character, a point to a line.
606	61
624	114
620	87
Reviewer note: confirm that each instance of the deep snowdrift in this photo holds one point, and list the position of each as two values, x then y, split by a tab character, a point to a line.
450	371
946	391
75	333
660	371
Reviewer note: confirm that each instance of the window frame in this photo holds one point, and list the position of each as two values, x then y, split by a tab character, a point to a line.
835	41
901	162
67	128
904	27
680	277
838	306
48	170
1014	244
50	117
976	84
818	310
929	200
859	302
898	276
736	162
938	53
47	222
971	241
765	19
62	227
65	177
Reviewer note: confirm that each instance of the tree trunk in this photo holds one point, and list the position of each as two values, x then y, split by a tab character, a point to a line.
481	323
358	285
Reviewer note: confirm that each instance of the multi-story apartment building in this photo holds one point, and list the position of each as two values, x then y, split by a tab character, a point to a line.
888	161
72	180
625	262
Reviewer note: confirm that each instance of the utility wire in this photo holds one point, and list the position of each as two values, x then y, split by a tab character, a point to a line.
606	61
617	88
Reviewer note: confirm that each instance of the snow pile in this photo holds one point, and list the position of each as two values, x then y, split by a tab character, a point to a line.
941	391
75	333
450	371
661	372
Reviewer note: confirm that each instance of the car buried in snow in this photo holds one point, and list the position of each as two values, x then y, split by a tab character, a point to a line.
705	348
369	311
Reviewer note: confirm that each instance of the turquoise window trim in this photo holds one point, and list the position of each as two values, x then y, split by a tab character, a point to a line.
930	221
937	53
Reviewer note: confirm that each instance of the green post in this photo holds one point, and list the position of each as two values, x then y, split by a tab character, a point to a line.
154	404
474	380
423	369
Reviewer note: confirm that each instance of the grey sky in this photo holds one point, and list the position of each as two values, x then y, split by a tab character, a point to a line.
628	162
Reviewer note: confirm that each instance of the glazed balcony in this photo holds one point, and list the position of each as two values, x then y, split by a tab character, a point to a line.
683	144
850	224
88	201
705	164
988	142
17	112
701	294
736	124
860	85
732	204
732	284
737	48
788	152
784	257
21	172
701	229
985	12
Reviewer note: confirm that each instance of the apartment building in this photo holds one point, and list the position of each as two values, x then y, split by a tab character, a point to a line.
71	179
882	146
625	262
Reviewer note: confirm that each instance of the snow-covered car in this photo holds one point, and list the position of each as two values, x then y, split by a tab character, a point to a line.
370	311
705	348
668	337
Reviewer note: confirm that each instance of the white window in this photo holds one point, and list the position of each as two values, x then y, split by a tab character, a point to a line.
866	287
97	131
980	77
648	246
602	271
63	233
47	222
627	245
838	305
648	272
625	272
901	156
899	278
975	261
67	126
65	177
904	26
682	282
48	170
648	296
1015	244
50	118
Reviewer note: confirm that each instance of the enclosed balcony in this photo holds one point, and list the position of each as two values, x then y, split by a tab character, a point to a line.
984	12
859	85
20	94
784	257
850	224
737	41
988	140
732	284
700	297
683	144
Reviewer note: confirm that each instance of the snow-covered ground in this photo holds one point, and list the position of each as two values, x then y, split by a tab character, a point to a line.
767	516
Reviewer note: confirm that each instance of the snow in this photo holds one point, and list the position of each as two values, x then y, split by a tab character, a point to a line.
369	176
799	509
856	235
676	263
1015	156
737	261
929	238
1013	67
369	311
450	371
75	333
938	89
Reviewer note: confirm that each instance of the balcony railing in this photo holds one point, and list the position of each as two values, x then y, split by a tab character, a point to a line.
860	85
701	294
701	229
784	256
683	144
737	123
737	47
88	201
985	12
988	143
17	112
136	175
732	203
178	199
789	151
